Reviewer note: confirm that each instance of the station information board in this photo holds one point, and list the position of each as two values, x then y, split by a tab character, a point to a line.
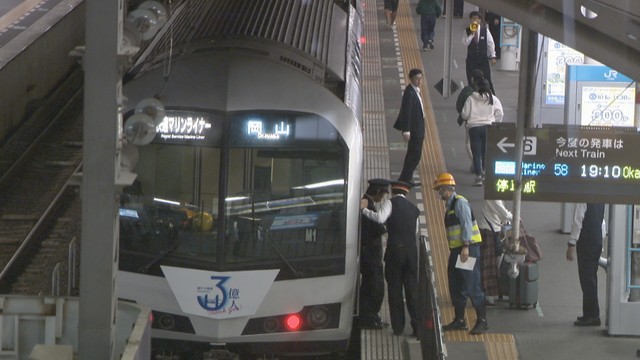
565	164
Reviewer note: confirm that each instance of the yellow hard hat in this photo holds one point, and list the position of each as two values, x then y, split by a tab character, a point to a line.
444	179
203	221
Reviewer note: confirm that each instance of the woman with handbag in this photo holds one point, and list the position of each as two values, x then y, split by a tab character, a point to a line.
495	215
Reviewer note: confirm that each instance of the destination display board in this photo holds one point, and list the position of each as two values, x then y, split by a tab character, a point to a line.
185	127
565	164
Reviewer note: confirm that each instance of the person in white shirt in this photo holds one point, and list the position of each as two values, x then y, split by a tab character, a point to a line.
375	208
480	110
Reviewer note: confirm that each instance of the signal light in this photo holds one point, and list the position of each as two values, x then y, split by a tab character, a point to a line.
429	324
293	322
271	325
166	322
363	40
319	317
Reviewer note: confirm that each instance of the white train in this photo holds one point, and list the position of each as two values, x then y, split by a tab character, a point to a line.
242	226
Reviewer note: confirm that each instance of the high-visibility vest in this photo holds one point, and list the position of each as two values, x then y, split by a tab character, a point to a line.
454	230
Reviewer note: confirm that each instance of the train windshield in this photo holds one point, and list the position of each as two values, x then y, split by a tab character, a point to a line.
271	185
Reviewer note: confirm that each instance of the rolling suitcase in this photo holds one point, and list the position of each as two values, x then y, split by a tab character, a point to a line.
523	290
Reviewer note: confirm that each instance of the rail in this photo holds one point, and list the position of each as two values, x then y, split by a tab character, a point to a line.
55	280
430	329
71	271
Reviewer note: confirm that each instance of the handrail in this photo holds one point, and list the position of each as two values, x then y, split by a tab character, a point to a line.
55	280
71	271
430	328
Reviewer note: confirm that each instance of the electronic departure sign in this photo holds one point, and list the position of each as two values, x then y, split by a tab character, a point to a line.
565	164
183	127
279	129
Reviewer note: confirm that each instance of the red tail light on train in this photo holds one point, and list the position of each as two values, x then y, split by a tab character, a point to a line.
312	317
293	322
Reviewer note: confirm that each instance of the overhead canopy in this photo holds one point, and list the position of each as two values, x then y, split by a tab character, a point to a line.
605	30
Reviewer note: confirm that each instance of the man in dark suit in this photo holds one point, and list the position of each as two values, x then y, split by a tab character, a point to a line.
401	258
587	230
411	122
375	209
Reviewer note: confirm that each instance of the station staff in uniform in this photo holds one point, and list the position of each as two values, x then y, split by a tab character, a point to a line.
375	209
401	257
587	231
480	49
464	240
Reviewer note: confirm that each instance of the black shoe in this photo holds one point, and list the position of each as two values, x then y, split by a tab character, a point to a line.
430	44
372	324
398	333
456	324
415	333
481	327
587	322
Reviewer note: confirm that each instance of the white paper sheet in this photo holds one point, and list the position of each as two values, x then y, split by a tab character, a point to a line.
467	265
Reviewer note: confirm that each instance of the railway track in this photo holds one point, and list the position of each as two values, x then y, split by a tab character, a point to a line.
40	208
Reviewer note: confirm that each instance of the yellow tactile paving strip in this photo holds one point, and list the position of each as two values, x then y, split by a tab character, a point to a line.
17	12
497	346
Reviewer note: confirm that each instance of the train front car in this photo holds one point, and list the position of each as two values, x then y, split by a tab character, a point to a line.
242	225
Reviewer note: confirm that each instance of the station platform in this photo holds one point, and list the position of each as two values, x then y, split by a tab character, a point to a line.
543	332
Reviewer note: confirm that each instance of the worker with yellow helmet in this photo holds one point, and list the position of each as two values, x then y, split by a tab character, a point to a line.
464	238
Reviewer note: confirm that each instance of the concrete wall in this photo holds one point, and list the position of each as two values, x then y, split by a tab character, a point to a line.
33	63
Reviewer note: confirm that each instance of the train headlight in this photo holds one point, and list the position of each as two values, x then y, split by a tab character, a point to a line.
293	322
318	317
166	322
271	325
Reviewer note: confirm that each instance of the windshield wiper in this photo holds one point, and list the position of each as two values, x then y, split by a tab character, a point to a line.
297	273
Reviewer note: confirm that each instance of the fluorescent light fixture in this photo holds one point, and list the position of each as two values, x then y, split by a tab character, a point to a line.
588	13
236	198
166	201
321	184
129	213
